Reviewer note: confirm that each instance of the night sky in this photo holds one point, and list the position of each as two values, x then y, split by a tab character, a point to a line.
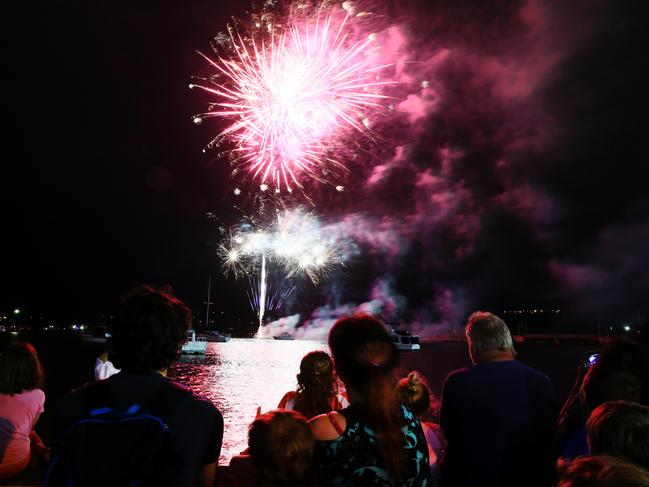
517	183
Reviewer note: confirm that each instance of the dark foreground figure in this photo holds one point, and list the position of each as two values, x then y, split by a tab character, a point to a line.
107	433
376	441
498	416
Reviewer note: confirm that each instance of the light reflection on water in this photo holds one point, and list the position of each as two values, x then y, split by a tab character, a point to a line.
240	375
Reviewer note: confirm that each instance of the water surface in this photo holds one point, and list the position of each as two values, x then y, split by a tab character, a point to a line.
242	374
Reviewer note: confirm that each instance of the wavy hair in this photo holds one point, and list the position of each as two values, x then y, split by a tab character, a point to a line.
316	384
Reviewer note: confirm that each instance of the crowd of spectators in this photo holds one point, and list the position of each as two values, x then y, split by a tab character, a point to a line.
351	421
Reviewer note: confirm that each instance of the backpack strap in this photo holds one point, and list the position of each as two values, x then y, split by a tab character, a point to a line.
161	404
96	398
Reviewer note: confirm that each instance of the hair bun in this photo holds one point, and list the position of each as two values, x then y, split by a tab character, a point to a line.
414	381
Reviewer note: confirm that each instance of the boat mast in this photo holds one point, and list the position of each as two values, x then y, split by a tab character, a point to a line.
209	290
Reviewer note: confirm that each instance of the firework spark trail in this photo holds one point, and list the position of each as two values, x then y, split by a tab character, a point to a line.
276	295
293	93
262	290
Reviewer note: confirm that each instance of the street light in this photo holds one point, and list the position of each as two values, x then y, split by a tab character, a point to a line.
17	311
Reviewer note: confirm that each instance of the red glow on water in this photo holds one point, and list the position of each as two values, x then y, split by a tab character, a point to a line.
241	375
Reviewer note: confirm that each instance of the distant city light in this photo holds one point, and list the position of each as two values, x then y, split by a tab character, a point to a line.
627	327
17	311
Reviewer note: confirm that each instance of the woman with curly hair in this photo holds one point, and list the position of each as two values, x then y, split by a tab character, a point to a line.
317	387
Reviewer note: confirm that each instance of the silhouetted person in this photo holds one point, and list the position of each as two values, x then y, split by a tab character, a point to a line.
605	381
603	471
415	392
376	440
498	416
147	332
21	404
620	429
280	453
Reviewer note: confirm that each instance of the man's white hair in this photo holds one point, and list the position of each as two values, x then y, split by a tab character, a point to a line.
487	333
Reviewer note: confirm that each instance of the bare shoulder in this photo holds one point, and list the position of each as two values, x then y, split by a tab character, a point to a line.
323	426
289	396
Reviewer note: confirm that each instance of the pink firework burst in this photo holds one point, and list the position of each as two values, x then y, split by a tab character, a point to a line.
292	93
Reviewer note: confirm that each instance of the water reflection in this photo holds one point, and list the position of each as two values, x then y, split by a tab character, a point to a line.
240	375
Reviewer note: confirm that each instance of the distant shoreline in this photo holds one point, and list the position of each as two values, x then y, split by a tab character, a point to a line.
533	337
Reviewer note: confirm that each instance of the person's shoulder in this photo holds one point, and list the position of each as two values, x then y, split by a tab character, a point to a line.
458	373
458	376
193	404
33	398
328	427
536	375
35	395
290	395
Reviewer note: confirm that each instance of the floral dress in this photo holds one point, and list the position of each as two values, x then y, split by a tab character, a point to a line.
352	459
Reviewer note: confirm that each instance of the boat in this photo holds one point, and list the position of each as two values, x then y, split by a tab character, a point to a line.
284	336
194	345
404	340
215	336
199	345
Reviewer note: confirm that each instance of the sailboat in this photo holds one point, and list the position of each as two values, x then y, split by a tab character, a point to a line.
198	345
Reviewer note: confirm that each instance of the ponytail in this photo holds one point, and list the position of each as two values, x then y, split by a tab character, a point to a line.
382	410
366	360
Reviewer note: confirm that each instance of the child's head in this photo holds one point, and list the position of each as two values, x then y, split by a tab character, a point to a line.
281	446
20	369
415	393
620	429
602	471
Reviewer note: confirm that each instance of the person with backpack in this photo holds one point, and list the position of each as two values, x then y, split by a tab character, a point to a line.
139	427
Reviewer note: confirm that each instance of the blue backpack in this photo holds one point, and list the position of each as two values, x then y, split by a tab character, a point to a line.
118	448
